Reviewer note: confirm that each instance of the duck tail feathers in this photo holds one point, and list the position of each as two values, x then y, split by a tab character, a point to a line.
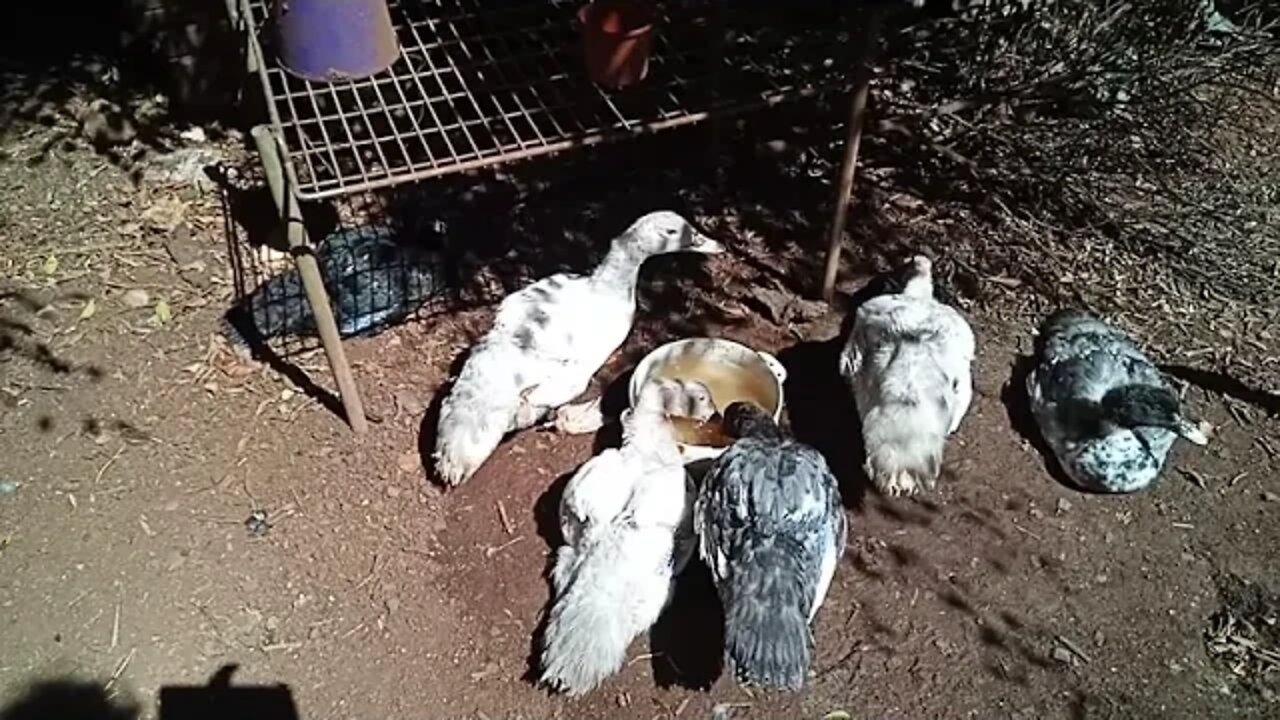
767	637
593	620
1192	432
474	418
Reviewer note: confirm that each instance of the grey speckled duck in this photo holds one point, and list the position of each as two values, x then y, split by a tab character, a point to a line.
1103	407
772	530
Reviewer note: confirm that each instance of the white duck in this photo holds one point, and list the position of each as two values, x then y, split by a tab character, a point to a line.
1103	407
771	528
626	520
909	361
546	343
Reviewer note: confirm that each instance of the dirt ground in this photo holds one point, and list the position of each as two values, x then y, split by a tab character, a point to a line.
134	445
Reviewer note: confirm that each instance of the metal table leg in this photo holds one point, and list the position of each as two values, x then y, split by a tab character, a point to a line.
857	112
309	270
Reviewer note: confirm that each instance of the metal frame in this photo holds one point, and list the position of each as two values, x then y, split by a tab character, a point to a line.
479	83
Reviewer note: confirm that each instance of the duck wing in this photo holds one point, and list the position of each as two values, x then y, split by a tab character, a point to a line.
545	317
761	488
596	494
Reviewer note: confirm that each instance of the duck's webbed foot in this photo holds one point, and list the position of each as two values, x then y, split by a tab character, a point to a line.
578	418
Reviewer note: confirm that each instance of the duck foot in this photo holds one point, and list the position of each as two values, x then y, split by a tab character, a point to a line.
579	418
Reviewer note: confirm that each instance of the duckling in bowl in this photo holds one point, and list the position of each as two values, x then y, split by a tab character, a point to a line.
731	371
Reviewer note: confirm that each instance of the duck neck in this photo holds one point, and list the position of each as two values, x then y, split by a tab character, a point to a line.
920	286
620	268
649	431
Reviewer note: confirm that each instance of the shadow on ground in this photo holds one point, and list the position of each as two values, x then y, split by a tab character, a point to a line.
69	699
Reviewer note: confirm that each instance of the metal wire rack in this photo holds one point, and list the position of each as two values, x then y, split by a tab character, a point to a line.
482	82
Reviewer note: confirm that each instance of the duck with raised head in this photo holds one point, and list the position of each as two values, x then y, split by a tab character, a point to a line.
1105	410
772	529
909	361
547	342
626	518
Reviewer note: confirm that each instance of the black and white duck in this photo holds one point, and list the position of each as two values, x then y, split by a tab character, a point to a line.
1104	409
771	528
546	343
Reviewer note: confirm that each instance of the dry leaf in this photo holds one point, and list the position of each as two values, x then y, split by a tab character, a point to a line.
837	715
163	313
50	265
88	310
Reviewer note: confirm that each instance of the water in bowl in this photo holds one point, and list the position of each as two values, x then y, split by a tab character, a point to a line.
728	383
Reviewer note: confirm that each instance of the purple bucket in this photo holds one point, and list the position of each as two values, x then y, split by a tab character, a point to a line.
335	40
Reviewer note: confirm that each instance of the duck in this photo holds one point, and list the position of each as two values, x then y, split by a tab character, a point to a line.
908	361
1103	408
626	519
771	528
546	342
374	279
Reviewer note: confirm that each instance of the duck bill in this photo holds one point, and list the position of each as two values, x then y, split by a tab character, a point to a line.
703	244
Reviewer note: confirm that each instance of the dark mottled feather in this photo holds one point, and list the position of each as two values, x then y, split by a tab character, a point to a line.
769	516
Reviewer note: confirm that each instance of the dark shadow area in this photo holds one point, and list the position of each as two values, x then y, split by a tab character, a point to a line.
20	321
220	701
687	642
1223	384
120	78
70	700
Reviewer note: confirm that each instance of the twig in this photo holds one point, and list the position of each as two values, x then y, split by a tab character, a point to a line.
373	571
506	521
120	669
1066	642
1239	476
490	552
297	500
281	646
102	471
115	627
1021	529
1194	477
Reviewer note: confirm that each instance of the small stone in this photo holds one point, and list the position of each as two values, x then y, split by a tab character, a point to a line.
1269	496
136	298
1036	513
409	462
393	604
393	491
1064	505
1098	638
1062	655
8	487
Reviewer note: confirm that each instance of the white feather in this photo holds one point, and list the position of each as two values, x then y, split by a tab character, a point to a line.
909	362
546	343
626	518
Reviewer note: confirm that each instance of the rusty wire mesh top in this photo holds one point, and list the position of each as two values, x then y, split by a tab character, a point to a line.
479	82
